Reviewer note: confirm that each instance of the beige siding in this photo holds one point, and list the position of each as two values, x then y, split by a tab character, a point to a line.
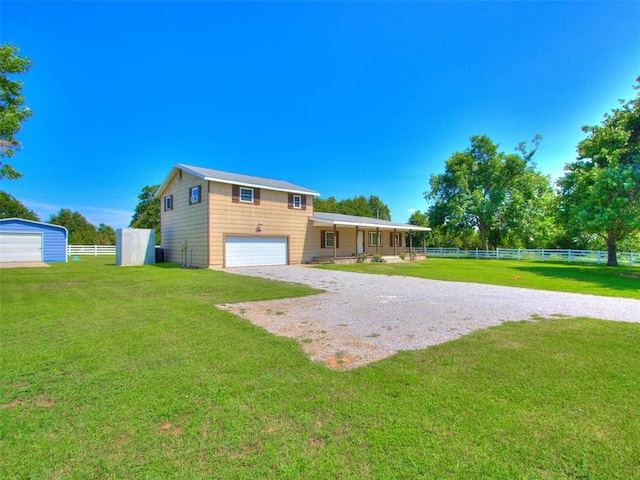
184	229
236	219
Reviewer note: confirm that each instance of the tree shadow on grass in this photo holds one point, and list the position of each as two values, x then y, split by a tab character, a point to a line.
615	279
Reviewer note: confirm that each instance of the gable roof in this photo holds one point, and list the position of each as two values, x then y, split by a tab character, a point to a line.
337	219
235	179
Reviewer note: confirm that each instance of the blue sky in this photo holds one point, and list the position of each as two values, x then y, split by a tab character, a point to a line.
346	98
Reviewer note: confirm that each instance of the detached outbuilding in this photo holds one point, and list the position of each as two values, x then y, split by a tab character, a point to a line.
28	241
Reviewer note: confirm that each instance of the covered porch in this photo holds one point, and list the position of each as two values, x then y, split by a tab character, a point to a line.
351	239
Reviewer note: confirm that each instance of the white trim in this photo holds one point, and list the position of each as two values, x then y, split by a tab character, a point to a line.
299	197
399	226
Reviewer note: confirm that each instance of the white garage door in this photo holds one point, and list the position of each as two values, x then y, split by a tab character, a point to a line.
20	247
250	251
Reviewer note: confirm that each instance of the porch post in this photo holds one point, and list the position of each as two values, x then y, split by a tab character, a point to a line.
395	248
410	243
335	241
377	240
356	241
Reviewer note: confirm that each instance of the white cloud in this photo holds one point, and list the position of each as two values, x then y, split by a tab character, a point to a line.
411	210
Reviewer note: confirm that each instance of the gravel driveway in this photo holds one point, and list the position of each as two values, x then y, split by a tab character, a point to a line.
362	318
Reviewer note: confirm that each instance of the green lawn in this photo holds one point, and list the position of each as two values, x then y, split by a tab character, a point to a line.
131	372
559	277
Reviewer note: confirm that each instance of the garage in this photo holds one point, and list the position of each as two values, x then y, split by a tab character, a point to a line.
20	247
254	251
29	241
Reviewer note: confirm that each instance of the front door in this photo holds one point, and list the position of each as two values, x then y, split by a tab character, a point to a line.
360	242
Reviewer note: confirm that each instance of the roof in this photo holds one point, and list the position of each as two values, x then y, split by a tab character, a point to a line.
236	179
13	219
337	219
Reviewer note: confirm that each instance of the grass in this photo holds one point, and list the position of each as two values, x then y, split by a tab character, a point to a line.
559	277
131	372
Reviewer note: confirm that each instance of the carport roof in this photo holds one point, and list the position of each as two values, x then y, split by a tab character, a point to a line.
339	220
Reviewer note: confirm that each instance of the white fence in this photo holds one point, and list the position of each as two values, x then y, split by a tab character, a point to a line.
93	250
544	254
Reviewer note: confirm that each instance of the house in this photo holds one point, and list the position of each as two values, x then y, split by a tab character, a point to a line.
217	219
28	241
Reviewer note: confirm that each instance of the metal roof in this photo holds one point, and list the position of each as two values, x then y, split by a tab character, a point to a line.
237	179
338	219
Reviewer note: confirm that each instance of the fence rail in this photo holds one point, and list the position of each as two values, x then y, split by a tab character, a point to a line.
543	255
93	250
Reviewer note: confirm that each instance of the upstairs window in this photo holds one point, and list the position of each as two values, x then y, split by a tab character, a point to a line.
246	195
299	202
195	195
168	203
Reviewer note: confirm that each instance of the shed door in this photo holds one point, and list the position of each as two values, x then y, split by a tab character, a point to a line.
20	247
253	251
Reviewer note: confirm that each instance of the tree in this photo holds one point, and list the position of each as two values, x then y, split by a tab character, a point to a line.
478	186
147	212
529	213
105	235
81	232
419	219
600	191
359	206
13	110
378	208
11	207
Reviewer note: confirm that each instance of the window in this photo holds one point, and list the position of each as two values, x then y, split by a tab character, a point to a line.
396	240
375	239
299	202
246	195
168	203
327	239
195	195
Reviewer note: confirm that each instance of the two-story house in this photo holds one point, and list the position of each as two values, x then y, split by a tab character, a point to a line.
217	219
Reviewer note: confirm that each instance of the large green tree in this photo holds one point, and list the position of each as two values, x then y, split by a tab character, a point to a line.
11	207
359	206
147	212
485	189
81	232
13	110
600	191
